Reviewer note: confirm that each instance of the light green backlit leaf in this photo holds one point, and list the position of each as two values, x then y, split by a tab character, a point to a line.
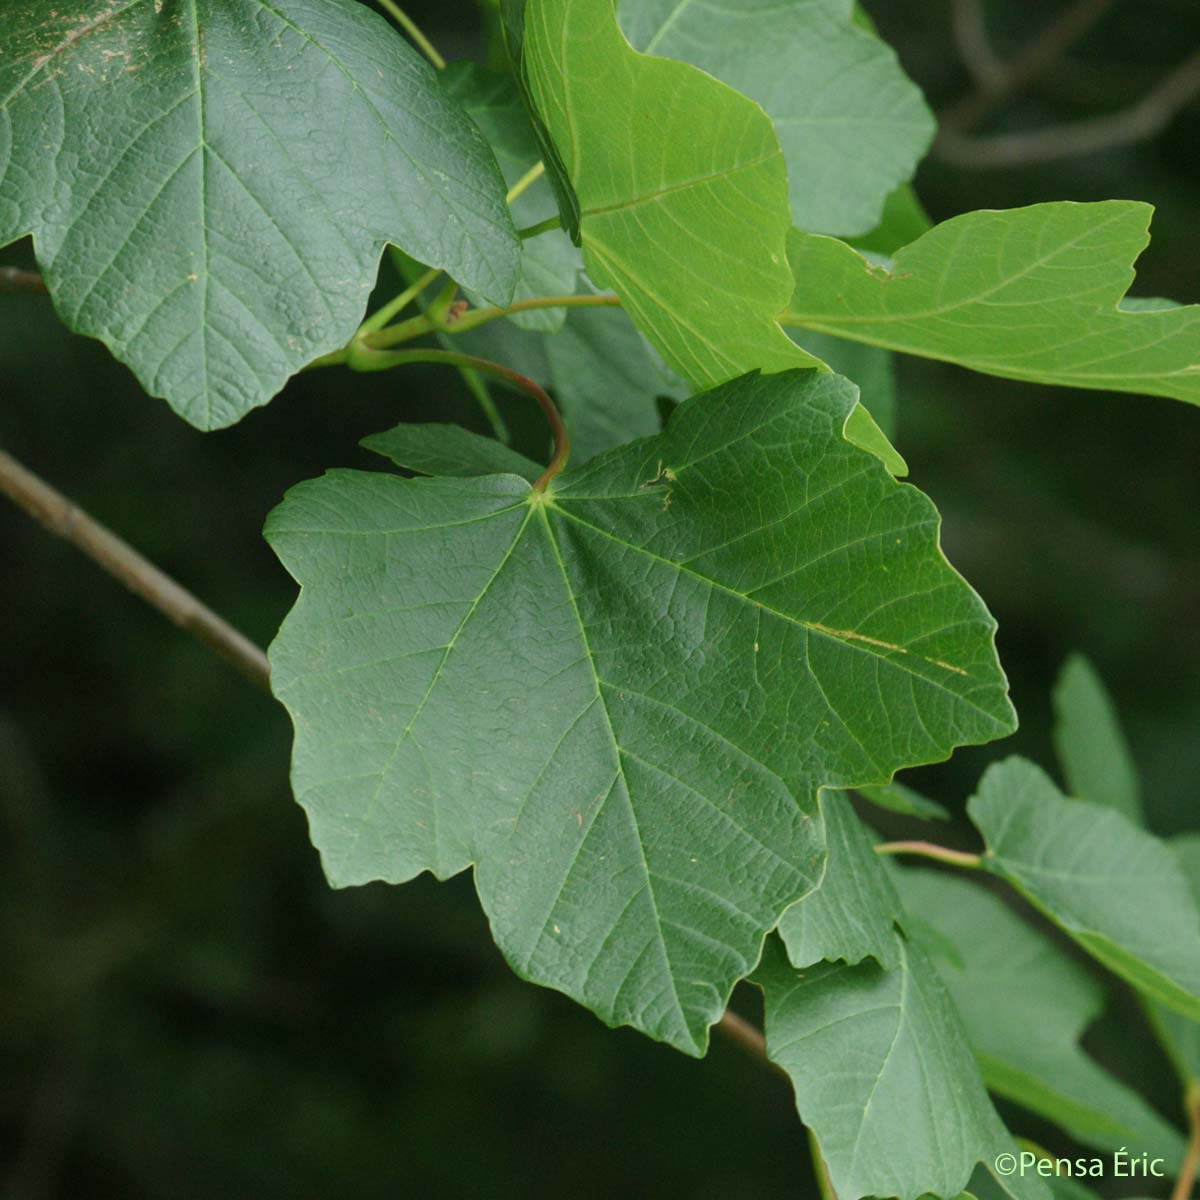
682	193
1091	747
1028	293
512	24
849	121
1118	891
210	183
619	700
1025	1006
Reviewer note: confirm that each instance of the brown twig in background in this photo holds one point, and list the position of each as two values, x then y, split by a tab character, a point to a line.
1137	123
124	563
1031	61
968	21
1186	1178
14	279
747	1037
143	578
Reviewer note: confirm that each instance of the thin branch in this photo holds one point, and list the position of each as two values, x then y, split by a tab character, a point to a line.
68	521
1186	1178
405	331
526	181
363	357
14	280
957	858
968	20
397	304
410	27
415	327
532	231
1137	123
138	574
746	1037
1033	60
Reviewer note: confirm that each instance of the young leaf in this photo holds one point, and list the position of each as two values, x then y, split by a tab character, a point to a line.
850	123
450	450
682	194
882	1073
1027	293
1118	891
619	698
1091	746
852	913
1025	1007
210	185
550	262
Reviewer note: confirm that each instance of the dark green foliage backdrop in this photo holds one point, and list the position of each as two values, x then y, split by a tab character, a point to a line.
187	1010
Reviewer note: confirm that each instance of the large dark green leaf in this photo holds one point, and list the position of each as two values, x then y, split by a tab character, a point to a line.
210	183
1118	891
619	699
871	368
851	124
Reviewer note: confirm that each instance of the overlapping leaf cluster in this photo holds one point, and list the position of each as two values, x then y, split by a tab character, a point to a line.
632	700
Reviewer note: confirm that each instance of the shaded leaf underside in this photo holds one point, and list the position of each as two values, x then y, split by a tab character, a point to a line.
1026	1005
210	183
882	1073
1118	891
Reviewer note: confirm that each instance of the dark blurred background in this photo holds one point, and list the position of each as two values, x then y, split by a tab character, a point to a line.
186	1010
